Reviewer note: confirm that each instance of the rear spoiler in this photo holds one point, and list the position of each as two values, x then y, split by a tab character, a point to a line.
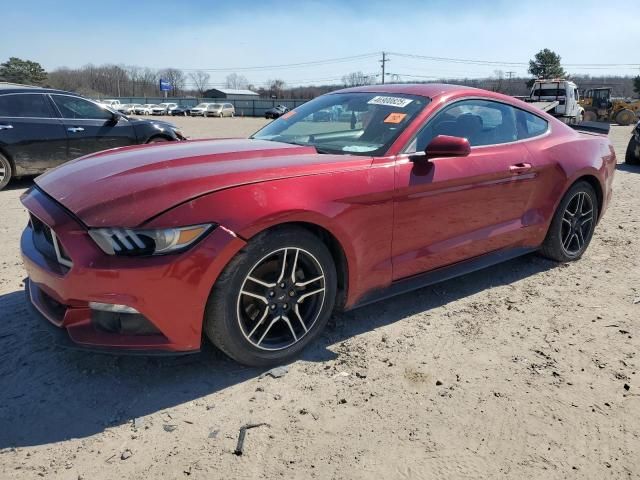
592	127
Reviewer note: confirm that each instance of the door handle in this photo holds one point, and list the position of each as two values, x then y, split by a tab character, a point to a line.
520	167
6	127
75	129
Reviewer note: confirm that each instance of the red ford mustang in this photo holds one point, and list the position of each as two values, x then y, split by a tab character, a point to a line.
351	197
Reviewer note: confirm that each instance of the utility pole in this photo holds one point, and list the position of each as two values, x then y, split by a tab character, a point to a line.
383	63
509	81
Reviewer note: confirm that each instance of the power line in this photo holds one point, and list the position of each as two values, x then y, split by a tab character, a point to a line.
285	65
501	63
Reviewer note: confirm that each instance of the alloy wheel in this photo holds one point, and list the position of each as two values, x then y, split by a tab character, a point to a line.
577	223
3	172
281	298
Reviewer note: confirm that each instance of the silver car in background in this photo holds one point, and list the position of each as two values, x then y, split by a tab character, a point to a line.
220	110
200	109
163	108
144	109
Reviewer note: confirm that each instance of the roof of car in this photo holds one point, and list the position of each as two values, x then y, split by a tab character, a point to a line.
434	90
7	87
430	90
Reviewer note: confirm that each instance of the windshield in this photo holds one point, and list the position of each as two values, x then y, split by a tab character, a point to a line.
353	123
215	105
202	105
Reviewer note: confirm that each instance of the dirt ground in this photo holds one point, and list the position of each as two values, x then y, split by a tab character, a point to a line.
527	370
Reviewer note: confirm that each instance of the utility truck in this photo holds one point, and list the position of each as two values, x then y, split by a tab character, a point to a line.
558	97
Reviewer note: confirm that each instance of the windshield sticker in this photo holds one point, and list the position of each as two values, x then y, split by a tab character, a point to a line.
390	101
288	114
395	117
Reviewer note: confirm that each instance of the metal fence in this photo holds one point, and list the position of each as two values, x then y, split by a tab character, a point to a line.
244	107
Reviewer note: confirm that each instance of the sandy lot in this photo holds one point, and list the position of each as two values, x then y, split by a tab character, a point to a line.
517	371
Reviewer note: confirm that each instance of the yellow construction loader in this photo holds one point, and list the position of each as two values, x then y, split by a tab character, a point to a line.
599	106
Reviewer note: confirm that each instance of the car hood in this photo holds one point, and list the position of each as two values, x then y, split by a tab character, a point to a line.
128	186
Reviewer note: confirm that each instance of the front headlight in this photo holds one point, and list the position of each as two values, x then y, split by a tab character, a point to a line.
136	242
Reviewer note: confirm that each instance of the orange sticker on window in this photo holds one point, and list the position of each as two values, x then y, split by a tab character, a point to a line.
289	114
395	117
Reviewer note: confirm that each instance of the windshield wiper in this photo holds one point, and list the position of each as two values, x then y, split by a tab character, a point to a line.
319	150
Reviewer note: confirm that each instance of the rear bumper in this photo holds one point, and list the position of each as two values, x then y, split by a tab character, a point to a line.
170	292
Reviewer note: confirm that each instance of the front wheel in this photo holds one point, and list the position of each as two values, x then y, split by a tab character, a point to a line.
159	140
273	298
573	224
625	117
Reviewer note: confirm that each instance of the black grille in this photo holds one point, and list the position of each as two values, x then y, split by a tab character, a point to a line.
42	238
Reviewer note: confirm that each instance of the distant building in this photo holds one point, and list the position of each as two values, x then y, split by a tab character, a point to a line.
231	94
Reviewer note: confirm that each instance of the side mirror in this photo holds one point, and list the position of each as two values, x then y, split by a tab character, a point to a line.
115	117
444	146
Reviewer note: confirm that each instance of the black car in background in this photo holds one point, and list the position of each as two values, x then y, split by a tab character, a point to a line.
42	128
180	112
276	111
632	156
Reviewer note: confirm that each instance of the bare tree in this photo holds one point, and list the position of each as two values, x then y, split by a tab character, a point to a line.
176	78
355	79
200	80
276	87
499	84
237	82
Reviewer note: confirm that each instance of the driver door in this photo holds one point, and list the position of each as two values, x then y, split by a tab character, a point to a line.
453	209
91	128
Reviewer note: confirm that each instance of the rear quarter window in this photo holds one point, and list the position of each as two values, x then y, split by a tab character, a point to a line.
530	125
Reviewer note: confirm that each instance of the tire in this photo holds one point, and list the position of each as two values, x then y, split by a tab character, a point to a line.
625	117
158	140
6	172
590	116
632	155
274	328
573	224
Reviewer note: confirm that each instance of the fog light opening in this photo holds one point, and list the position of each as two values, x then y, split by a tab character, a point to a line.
111	307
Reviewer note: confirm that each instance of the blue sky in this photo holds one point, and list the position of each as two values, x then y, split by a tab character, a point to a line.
192	34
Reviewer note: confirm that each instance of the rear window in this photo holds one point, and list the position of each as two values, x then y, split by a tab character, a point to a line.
550	92
31	105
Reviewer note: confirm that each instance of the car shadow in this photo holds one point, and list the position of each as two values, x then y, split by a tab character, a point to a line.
625	167
49	394
19	183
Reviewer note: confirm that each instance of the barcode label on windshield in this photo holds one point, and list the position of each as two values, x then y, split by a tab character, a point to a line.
390	101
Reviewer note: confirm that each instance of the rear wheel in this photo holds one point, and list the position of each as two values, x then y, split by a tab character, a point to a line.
5	172
573	224
625	117
632	156
274	297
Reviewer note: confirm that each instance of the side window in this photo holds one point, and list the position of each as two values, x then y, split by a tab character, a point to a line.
26	105
482	122
530	125
75	107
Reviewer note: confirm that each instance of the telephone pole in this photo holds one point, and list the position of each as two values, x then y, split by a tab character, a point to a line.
509	81
383	63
